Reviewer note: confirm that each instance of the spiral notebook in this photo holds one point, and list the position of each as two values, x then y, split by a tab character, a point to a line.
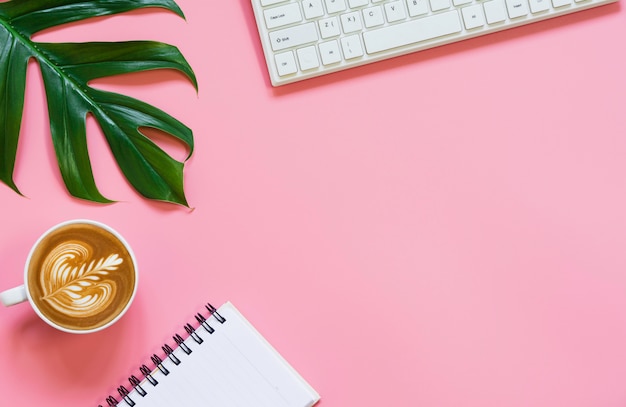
223	362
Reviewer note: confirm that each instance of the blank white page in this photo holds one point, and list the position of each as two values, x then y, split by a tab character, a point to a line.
232	367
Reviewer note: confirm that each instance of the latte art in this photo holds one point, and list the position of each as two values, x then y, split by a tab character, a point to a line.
74	283
81	276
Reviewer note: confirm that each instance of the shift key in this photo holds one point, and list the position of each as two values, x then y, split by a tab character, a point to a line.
293	36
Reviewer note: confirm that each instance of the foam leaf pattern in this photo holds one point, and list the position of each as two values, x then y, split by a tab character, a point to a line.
74	283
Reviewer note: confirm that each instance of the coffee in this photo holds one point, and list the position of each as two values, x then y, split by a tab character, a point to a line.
81	276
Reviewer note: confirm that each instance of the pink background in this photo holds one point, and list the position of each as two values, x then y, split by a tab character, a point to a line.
441	229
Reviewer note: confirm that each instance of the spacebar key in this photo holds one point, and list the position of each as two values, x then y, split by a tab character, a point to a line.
411	32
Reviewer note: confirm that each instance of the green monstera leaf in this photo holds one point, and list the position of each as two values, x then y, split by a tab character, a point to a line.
67	69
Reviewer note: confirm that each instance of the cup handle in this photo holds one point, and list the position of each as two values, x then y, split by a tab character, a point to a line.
13	296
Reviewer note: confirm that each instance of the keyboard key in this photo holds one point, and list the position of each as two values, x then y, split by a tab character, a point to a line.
312	9
394	11
373	16
473	16
282	15
417	7
495	11
329	52
358	3
411	32
437	5
285	63
517	8
537	6
561	3
351	22
329	27
265	3
293	36
335	6
307	57
352	47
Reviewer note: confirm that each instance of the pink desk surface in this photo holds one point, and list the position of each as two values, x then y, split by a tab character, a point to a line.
443	229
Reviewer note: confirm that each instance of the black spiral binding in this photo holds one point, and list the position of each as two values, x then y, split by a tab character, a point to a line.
169	352
124	394
135	383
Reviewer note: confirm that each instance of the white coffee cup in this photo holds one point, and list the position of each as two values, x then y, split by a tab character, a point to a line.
80	277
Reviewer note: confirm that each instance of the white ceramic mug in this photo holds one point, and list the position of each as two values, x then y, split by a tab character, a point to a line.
80	277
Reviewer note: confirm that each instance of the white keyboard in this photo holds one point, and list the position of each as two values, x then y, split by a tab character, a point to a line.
306	38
